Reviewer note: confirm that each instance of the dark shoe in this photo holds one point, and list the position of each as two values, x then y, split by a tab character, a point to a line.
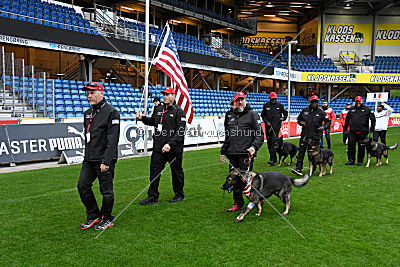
234	208
105	223
149	200
359	163
349	162
271	162
177	198
297	172
89	223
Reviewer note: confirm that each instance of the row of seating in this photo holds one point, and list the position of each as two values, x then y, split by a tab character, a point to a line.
384	64
310	63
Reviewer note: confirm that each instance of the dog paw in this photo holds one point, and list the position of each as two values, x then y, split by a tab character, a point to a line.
257	214
285	213
238	221
320	175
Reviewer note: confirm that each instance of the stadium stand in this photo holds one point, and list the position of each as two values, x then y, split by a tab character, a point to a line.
69	101
310	63
384	64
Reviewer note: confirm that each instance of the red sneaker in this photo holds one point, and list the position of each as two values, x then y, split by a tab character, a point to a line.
235	207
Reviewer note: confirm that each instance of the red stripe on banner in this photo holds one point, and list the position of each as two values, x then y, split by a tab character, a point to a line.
178	75
172	57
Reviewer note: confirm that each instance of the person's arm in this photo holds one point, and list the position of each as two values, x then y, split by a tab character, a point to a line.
341	118
300	119
259	138
332	117
389	109
284	113
346	122
149	120
112	138
179	134
225	145
373	120
327	121
264	113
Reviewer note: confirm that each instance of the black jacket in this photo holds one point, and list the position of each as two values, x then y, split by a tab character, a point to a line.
104	133
313	118
228	115
272	113
173	127
244	131
358	119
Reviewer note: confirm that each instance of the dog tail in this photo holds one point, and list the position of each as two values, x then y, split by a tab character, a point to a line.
393	147
301	181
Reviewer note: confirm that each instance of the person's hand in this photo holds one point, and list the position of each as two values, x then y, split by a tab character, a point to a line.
282	119
251	151
139	115
104	167
303	123
222	158
321	128
166	148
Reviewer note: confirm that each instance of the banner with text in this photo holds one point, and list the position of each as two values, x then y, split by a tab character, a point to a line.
348	33
263	39
352	78
388	34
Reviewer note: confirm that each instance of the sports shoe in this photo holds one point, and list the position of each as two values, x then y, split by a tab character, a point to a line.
103	224
349	163
149	200
359	163
234	208
89	223
271	162
297	172
177	198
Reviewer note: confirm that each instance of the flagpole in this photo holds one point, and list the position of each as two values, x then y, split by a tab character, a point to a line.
146	69
158	44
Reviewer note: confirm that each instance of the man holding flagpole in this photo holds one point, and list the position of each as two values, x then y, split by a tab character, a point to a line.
169	120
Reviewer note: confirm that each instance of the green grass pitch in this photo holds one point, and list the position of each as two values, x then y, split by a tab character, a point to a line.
349	218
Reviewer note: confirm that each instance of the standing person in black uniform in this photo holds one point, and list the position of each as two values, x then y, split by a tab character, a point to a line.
245	137
169	133
273	114
357	120
314	120
101	126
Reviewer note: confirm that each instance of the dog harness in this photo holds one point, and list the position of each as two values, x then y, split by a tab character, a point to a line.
247	189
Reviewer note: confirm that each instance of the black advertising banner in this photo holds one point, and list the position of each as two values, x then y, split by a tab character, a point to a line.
39	141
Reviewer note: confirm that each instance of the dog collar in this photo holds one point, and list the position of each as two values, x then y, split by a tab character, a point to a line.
247	189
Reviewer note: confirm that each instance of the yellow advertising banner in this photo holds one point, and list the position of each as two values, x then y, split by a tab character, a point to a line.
347	57
309	35
348	33
355	78
263	39
388	34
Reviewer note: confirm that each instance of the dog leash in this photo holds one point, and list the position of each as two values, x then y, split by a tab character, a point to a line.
248	161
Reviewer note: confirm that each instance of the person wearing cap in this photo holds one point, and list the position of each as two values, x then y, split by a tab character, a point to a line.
313	121
343	115
357	121
273	113
243	139
331	115
101	128
156	102
382	121
169	123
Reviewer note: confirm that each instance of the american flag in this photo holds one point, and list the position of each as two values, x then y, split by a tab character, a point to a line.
168	61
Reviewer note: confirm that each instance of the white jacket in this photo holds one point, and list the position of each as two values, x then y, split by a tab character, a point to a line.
382	118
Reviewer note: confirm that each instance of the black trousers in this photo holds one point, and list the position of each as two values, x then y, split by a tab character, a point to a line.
271	134
240	162
89	172
380	134
303	142
351	148
157	164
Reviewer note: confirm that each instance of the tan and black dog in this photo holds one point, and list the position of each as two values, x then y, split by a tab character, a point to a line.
377	150
258	186
318	156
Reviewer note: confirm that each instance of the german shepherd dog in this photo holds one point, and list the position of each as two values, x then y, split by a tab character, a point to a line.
318	156
285	149
258	186
377	150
